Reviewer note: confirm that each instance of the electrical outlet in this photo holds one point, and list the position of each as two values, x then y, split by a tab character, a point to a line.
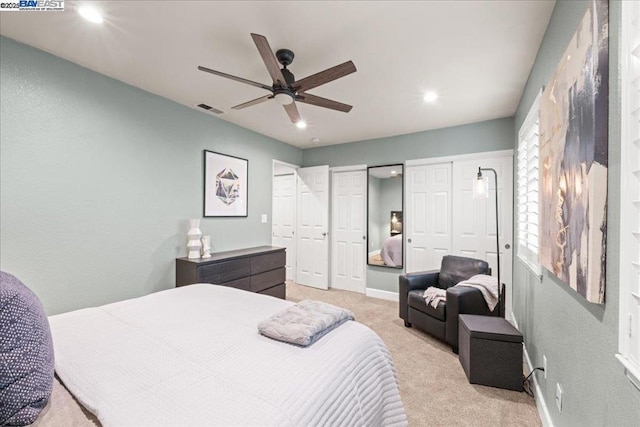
559	397
544	365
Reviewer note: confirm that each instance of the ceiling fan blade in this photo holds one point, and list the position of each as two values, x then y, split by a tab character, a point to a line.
252	102
269	59
325	76
307	98
292	111
238	79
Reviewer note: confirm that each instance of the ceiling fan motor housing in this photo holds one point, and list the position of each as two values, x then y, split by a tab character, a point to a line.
288	76
285	56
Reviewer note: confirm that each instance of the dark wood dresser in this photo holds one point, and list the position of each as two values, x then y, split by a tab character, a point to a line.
260	269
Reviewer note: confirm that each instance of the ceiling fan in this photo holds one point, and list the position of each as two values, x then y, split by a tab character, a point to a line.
285	89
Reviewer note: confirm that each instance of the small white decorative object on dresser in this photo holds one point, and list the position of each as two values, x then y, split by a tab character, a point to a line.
206	246
194	234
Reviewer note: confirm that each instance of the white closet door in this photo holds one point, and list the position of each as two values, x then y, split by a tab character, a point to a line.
474	224
348	226
284	219
312	227
428	218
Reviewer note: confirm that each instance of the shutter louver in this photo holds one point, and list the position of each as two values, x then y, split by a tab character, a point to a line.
528	191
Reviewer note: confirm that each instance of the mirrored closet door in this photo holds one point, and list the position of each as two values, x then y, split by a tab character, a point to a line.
385	217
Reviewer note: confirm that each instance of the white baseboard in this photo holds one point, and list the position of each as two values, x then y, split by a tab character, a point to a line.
377	293
541	404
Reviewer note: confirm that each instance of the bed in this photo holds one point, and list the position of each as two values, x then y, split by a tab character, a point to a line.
391	253
193	356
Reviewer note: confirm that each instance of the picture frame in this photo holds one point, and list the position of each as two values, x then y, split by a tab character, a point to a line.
226	185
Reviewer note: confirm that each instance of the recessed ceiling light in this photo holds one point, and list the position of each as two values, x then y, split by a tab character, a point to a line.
430	96
301	124
394	172
90	14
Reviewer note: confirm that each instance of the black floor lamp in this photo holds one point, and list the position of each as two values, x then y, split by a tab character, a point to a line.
481	191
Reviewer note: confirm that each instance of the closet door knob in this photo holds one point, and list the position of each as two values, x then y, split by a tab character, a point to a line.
408	240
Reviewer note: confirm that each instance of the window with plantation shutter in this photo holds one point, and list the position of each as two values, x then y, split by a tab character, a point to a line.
629	327
527	196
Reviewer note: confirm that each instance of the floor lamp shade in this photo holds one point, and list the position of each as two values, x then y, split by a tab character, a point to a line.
481	187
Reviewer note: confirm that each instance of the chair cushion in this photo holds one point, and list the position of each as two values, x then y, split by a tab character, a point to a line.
416	300
455	269
26	371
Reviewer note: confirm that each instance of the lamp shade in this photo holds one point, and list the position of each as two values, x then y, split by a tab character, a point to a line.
283	98
481	187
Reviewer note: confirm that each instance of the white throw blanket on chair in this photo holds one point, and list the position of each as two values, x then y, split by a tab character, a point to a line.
433	296
488	285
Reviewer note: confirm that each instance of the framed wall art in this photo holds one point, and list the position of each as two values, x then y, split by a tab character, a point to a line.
225	185
574	160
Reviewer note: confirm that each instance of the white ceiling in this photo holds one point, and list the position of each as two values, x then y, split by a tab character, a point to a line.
476	54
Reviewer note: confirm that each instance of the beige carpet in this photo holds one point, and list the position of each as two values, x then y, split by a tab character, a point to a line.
433	386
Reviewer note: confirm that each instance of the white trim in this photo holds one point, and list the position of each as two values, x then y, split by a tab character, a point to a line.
351	168
628	322
631	371
541	404
533	114
530	267
459	157
377	293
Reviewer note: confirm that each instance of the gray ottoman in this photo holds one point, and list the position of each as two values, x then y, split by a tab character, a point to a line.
490	351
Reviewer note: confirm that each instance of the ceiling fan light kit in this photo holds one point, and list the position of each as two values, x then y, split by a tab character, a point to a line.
285	89
283	98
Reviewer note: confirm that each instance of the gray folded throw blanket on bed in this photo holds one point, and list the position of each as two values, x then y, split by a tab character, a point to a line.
304	323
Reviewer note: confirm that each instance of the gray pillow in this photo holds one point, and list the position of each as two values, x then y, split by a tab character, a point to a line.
26	354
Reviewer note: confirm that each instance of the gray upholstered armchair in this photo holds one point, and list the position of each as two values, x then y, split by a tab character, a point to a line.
442	322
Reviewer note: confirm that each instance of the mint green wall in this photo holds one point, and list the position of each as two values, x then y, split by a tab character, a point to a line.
579	339
471	138
491	135
99	179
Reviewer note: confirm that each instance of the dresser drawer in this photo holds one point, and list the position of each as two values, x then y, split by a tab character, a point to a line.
266	262
279	291
266	280
244	284
222	272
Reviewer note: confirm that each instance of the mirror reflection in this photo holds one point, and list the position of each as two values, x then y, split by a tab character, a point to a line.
385	218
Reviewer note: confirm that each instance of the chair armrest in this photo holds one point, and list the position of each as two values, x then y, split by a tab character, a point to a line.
412	281
419	280
462	300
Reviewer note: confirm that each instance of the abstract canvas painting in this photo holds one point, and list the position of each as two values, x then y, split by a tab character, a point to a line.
573	160
225	185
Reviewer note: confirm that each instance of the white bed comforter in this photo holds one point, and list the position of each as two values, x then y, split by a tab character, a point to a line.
192	356
391	252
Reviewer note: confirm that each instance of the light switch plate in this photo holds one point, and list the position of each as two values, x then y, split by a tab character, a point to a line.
264	218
